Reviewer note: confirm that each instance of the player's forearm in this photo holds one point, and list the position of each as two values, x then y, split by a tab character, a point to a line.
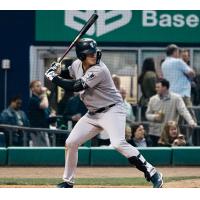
64	83
72	85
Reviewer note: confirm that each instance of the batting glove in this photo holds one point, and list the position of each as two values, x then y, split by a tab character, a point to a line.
51	72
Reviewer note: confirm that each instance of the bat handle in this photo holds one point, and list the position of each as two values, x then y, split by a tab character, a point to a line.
69	48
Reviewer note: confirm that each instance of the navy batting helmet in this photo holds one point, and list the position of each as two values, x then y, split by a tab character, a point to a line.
84	47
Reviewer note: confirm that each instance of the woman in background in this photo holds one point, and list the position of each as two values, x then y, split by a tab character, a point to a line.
171	135
147	82
139	138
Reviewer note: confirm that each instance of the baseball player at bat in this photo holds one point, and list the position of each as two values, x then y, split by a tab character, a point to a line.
92	79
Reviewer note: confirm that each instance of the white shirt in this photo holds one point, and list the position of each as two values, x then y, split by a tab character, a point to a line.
175	70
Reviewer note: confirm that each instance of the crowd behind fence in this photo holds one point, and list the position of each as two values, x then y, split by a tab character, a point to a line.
58	136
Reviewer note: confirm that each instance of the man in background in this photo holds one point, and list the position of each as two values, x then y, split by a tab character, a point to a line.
163	107
178	73
39	113
13	115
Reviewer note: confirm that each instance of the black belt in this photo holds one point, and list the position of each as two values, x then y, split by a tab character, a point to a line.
101	109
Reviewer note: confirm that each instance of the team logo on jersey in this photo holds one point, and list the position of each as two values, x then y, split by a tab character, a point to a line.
90	76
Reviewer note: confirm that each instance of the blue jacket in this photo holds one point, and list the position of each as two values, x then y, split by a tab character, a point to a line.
8	116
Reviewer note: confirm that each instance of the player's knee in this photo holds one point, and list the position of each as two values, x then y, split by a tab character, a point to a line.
71	144
118	146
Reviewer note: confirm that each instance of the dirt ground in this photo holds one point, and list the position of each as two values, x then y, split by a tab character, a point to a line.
102	172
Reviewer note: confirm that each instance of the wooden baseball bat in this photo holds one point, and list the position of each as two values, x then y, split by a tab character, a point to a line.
85	28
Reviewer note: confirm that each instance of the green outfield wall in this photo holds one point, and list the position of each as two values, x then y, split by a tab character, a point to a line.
97	156
3	156
43	156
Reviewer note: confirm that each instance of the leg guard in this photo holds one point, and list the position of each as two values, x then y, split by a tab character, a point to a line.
142	165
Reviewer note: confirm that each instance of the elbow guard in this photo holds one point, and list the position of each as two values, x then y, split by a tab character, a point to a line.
79	85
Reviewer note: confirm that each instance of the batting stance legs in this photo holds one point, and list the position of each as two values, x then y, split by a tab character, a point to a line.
113	122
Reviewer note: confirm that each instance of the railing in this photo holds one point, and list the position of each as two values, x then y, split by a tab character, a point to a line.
9	129
56	133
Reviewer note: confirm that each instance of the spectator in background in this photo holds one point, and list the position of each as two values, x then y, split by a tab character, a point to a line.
195	89
39	113
160	74
13	115
195	97
147	82
178	73
74	109
130	118
117	81
185	56
66	95
163	107
171	135
139	138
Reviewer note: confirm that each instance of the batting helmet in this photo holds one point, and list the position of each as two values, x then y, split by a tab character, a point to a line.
86	46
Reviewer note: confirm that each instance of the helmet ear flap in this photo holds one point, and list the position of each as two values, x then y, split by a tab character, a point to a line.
99	54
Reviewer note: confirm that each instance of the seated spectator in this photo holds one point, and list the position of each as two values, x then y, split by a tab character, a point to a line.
39	113
139	138
171	135
13	115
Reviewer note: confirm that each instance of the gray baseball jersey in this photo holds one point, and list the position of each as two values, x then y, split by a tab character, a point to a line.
102	91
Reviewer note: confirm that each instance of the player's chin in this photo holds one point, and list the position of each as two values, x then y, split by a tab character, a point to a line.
93	62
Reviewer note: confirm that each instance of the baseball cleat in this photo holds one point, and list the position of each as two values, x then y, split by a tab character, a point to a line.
64	185
157	180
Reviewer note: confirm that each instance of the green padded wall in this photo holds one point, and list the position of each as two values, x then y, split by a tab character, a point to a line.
186	156
157	155
3	156
43	156
97	156
102	156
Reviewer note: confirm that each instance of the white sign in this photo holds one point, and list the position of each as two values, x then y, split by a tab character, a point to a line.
102	26
5	64
151	19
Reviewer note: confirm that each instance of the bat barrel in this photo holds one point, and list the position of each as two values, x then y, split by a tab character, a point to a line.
85	28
